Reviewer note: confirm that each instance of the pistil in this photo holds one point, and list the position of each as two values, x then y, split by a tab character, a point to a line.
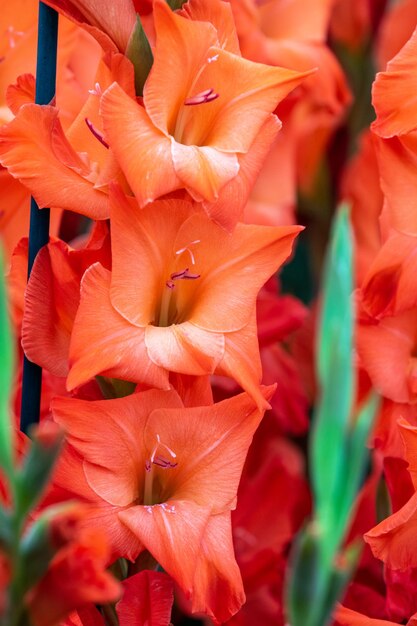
164	317
159	460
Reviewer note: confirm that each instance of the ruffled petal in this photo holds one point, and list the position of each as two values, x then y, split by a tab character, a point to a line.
103	342
138	145
184	348
35	150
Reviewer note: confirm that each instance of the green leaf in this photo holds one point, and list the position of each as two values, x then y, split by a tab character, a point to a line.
305	585
336	375
33	477
176	4
6	375
356	461
139	52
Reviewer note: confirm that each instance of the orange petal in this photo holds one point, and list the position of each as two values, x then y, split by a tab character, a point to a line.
210	444
389	369
50	307
54	173
172	533
138	145
184	348
346	617
142	242
295	19
23	92
220	15
69	480
227	210
241	361
393	541
233	267
115	19
113	459
182	49
232	121
114	67
218	588
409	436
203	171
388	285
103	342
394	93
397	160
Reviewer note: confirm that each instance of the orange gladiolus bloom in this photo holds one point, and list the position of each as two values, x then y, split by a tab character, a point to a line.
196	123
68	170
181	297
393	97
164	478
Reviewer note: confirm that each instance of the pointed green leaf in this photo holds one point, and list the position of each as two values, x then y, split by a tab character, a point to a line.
335	372
33	477
356	462
6	374
305	585
139	52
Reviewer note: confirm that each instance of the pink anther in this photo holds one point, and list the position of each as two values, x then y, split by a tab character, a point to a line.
201	98
184	275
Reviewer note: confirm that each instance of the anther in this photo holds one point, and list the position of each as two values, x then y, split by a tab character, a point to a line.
97	134
184	275
160	460
97	91
201	98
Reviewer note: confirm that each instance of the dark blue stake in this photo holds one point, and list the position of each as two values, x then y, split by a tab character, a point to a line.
39	219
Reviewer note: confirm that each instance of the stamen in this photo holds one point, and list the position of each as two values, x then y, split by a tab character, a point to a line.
163	445
97	134
160	461
187	249
184	275
201	98
97	91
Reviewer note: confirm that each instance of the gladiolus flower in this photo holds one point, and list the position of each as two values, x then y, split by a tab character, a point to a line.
181	297
196	122
165	480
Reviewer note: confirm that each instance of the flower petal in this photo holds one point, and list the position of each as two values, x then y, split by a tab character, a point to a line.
218	588
184	348
172	533
54	173
203	171
103	342
138	145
